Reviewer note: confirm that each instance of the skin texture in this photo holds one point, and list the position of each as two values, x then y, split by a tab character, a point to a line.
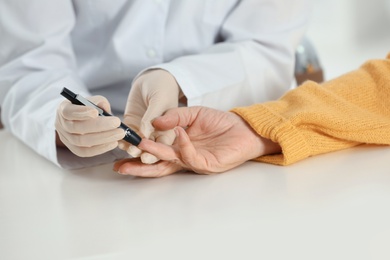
207	141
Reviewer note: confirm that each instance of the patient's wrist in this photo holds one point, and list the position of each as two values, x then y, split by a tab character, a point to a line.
269	147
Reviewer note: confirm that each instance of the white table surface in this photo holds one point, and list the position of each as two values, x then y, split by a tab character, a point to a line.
333	206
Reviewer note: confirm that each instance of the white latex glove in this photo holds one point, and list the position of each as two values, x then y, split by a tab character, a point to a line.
152	93
84	132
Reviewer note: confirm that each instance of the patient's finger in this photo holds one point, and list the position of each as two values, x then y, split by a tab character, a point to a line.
139	169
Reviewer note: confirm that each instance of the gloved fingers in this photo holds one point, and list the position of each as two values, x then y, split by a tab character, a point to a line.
70	111
83	119
94	150
134	151
91	139
77	112
92	125
84	132
152	93
123	145
154	110
158	105
146	128
134	110
101	102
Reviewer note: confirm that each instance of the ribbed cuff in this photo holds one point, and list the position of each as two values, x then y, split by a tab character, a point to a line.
272	126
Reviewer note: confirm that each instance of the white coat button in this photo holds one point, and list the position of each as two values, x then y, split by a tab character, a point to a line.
151	53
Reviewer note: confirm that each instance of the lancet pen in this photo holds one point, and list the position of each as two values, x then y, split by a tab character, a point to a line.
131	136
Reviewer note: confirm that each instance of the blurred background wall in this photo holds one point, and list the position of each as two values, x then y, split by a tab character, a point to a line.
346	33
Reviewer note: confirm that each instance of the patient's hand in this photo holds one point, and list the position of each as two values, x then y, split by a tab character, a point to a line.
211	141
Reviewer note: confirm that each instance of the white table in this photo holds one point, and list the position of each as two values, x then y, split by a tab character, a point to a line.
333	206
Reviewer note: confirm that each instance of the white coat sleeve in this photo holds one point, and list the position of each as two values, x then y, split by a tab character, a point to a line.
36	62
253	63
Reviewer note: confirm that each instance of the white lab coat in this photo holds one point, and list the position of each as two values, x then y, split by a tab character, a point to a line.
223	53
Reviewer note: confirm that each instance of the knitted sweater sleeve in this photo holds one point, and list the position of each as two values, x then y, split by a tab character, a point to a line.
313	119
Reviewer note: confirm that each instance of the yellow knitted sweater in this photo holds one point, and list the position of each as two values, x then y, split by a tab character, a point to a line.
313	119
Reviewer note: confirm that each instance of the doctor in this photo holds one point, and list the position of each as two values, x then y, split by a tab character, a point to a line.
142	56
